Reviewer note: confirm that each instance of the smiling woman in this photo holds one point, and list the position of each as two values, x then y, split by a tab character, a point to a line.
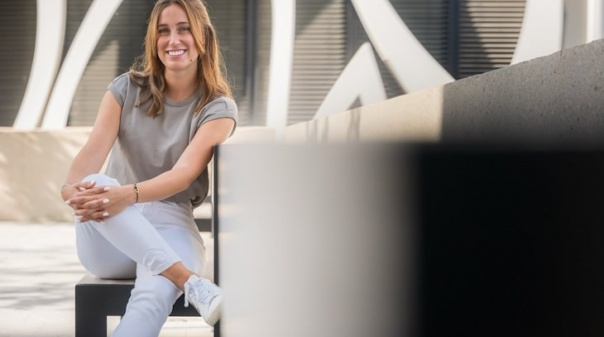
160	121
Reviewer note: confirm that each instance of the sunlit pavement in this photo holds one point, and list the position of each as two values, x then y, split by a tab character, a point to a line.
38	271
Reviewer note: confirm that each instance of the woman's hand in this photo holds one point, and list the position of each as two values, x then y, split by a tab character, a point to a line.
68	190
100	202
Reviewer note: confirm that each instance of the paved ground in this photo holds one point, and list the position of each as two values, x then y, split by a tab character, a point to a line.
38	271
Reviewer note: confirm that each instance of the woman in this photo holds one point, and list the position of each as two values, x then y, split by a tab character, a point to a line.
159	121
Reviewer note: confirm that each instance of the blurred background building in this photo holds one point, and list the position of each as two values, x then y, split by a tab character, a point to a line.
284	57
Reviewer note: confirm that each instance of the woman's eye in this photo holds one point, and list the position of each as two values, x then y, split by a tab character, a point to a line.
183	29
163	31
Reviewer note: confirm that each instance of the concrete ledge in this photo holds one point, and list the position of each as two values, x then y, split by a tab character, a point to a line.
33	166
252	134
413	117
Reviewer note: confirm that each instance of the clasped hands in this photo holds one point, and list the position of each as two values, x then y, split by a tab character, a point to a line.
91	202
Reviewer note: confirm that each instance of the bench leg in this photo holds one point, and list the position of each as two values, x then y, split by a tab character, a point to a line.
217	329
89	322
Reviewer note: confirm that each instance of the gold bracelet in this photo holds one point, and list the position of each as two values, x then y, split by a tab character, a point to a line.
136	191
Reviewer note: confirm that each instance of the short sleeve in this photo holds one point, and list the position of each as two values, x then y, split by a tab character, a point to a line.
119	87
221	107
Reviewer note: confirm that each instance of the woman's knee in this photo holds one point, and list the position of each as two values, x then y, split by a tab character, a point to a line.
101	179
99	257
107	266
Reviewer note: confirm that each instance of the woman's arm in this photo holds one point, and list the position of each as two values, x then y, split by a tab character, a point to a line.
93	154
191	163
189	166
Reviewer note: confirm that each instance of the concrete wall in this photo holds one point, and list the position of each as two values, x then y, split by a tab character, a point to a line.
557	98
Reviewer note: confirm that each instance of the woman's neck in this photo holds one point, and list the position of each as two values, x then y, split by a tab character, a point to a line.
180	86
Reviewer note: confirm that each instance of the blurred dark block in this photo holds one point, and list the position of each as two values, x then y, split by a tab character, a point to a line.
412	239
511	240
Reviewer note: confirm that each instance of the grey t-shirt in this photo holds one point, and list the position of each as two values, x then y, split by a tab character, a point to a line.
148	146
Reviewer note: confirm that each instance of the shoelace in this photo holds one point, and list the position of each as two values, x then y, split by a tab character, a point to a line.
202	296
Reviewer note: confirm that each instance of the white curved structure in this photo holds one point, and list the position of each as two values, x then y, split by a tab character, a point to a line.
280	71
96	20
50	32
595	15
361	78
542	30
410	63
548	25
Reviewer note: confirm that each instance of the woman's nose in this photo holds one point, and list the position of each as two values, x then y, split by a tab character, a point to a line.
174	37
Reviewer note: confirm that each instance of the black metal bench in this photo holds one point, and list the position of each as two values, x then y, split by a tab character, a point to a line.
95	299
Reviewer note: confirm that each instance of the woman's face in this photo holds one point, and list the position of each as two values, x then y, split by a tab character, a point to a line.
175	45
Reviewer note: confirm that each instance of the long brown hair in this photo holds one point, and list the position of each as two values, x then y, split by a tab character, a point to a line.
148	72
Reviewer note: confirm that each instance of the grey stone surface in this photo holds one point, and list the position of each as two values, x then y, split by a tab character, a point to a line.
556	98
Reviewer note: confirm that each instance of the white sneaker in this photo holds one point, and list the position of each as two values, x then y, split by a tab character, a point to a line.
205	296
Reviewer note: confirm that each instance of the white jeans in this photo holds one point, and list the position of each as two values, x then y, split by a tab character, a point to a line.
142	241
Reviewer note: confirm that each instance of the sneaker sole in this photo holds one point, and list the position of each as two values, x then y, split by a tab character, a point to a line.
214	313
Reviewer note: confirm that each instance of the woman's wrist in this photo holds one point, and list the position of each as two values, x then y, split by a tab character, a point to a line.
136	192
